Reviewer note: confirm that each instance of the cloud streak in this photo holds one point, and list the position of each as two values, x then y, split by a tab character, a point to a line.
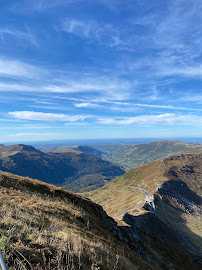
87	105
160	119
31	134
40	116
15	68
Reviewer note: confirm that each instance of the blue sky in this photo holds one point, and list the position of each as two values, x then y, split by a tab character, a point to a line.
75	69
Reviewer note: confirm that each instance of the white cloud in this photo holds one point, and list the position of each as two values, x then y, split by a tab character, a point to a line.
87	105
30	115
163	119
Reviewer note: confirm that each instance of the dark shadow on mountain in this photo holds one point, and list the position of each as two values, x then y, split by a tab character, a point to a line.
150	237
160	232
179	189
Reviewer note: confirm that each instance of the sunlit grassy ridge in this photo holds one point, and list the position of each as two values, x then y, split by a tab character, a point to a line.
117	195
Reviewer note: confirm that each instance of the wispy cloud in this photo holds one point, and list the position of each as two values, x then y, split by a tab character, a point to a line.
192	97
163	119
40	116
31	134
87	105
83	124
10	68
105	34
24	36
175	34
132	107
25	127
40	5
167	107
106	86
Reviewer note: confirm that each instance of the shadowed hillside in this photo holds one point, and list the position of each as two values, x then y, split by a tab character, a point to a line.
74	171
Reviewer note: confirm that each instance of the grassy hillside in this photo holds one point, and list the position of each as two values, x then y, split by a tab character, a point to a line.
74	171
45	227
175	182
134	155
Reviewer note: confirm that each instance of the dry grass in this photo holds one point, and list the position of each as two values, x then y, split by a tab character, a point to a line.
115	200
45	227
116	196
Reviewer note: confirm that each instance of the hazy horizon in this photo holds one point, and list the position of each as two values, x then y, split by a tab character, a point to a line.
71	142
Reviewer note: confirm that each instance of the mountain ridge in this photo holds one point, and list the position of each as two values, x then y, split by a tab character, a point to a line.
129	155
86	170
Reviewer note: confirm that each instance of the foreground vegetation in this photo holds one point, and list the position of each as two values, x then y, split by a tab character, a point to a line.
45	227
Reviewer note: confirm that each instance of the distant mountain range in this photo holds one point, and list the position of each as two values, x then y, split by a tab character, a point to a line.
159	201
83	168
129	156
77	171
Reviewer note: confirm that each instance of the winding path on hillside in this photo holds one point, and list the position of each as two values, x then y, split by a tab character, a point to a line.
150	200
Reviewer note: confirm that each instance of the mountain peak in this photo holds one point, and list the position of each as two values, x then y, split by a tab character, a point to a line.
26	147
